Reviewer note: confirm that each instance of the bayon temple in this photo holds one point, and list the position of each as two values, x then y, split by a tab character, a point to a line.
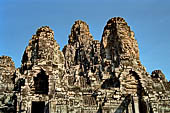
87	76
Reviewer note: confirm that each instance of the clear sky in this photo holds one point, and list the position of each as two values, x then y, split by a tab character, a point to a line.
149	19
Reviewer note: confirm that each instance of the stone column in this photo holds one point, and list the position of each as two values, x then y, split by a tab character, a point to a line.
136	104
130	108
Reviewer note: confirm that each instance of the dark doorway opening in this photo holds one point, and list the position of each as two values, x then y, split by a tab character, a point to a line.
38	107
41	83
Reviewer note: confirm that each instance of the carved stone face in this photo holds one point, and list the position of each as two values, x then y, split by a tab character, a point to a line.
118	37
129	48
126	47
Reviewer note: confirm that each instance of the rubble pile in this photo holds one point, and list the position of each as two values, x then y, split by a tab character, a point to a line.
87	76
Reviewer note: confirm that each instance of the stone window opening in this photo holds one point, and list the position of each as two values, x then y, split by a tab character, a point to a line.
41	83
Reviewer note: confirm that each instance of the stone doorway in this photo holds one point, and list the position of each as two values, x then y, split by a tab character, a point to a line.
41	83
38	107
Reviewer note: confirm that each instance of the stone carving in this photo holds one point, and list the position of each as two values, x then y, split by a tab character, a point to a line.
118	42
7	70
87	76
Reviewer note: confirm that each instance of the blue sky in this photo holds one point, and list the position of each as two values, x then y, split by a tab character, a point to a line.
149	19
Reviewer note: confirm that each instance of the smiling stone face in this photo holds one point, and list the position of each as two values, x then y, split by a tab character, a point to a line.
80	33
129	48
42	50
118	41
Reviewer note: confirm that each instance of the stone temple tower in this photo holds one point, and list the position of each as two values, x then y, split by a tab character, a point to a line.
87	76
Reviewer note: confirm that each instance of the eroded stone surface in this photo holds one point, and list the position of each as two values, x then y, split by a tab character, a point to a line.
119	43
87	76
7	70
